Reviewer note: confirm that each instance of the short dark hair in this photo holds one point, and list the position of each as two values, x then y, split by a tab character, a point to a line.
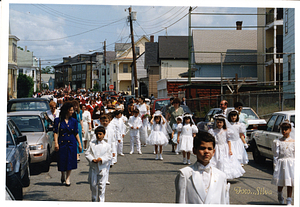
100	129
136	111
116	113
233	113
104	116
285	126
203	136
176	100
237	104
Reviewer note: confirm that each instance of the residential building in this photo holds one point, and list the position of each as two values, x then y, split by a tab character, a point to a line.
28	65
121	66
48	81
288	85
12	66
270	45
77	71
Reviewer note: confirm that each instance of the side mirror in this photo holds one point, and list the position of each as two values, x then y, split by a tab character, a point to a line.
21	139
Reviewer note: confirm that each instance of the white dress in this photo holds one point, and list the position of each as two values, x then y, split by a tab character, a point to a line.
157	136
144	131
221	159
284	162
237	145
86	117
186	137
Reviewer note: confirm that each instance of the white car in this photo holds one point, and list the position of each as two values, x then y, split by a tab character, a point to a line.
39	136
263	138
253	121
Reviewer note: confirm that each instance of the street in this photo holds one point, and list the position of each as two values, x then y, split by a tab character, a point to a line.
142	179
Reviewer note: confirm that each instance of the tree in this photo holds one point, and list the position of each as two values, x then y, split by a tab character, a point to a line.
24	86
47	69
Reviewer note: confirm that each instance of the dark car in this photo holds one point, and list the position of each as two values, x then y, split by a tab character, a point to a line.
17	160
28	104
158	104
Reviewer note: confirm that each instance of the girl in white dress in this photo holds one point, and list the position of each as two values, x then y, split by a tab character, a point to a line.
87	126
223	158
144	130
186	133
157	136
284	162
175	133
238	142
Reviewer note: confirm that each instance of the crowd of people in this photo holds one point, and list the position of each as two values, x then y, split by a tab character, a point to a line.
95	124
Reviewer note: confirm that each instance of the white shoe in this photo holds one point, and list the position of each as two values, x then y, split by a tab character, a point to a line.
131	152
188	162
184	161
107	183
177	153
289	201
156	157
140	153
154	152
121	154
160	157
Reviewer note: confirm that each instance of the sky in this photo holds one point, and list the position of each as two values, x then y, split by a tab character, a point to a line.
54	31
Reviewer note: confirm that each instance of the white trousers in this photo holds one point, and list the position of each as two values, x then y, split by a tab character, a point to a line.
137	140
115	158
98	186
120	147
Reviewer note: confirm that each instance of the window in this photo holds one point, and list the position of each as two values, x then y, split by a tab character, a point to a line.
78	67
286	21
74	77
32	72
14	54
20	71
83	76
84	67
125	68
289	69
114	85
137	51
78	77
114	68
74	68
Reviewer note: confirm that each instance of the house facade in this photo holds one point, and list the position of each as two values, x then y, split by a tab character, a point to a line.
28	65
288	85
121	66
77	71
12	67
270	45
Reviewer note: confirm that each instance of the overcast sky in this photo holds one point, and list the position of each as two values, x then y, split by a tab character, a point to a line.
54	31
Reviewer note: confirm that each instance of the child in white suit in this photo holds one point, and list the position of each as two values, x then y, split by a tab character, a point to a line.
135	123
120	129
202	183
99	155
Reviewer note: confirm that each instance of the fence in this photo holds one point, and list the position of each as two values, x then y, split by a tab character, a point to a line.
263	103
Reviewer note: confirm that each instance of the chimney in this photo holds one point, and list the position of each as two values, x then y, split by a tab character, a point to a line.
152	38
239	25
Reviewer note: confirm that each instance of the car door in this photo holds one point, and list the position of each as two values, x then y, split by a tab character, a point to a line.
21	147
262	140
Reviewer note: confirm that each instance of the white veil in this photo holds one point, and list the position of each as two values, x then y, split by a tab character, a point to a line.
165	127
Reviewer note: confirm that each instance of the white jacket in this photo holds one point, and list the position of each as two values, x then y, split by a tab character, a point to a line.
190	188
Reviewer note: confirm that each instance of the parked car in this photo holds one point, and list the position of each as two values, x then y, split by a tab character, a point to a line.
28	104
39	136
158	104
252	118
263	138
17	161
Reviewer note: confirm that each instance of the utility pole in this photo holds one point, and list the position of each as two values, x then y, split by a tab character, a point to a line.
40	68
133	54
104	47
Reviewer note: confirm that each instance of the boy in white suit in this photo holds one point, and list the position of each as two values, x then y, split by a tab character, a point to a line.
99	156
201	183
135	123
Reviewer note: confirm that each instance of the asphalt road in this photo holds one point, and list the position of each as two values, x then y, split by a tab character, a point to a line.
142	179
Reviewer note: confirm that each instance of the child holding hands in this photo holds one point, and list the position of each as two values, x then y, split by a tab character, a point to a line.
284	162
99	155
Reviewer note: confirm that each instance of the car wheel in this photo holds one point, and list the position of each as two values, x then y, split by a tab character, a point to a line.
256	154
16	187
46	164
26	177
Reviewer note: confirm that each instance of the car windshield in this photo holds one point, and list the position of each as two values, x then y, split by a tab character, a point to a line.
160	104
29	106
186	109
28	123
250	114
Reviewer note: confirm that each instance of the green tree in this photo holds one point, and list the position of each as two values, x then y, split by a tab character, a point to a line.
24	86
47	70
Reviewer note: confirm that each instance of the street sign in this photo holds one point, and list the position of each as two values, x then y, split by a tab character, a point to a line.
111	86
